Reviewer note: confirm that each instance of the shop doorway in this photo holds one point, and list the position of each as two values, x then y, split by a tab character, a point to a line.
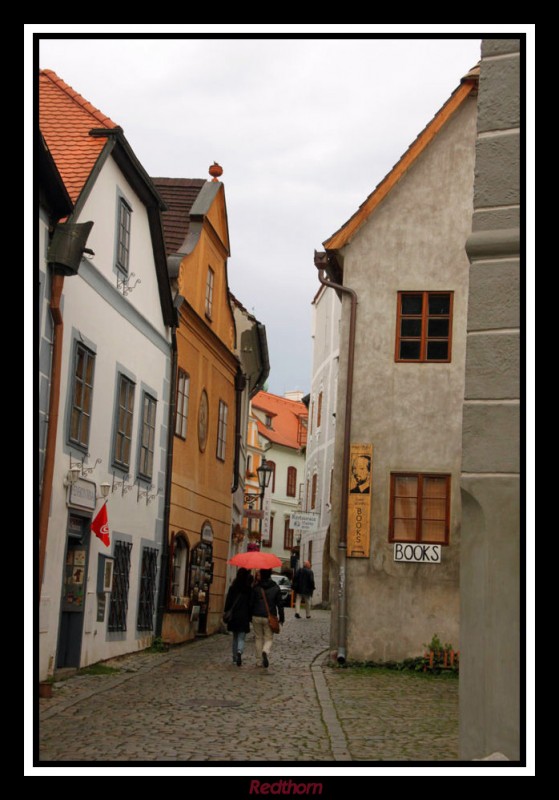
74	583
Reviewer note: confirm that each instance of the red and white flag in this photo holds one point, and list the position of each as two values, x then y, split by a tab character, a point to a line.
100	525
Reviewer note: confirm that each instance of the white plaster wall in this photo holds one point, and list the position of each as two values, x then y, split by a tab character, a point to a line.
281	504
117	340
102	207
320	444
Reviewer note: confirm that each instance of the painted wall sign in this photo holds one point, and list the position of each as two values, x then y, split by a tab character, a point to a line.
267	509
303	521
82	494
359	501
418	553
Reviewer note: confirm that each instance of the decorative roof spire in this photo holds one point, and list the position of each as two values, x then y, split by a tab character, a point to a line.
215	171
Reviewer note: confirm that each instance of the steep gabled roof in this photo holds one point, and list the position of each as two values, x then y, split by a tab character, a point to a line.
179	195
65	120
344	234
287	418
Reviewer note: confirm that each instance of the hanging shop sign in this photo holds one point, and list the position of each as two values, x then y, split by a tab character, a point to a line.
418	553
82	494
303	521
359	501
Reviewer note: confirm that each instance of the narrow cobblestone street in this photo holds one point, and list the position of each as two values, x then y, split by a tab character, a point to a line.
192	704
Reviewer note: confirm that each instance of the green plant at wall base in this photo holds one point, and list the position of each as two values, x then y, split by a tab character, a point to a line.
158	645
435	644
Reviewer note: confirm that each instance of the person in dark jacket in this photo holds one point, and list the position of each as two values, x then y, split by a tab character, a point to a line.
238	603
303	584
262	631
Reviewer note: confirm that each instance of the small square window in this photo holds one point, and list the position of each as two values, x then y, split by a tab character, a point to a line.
424	326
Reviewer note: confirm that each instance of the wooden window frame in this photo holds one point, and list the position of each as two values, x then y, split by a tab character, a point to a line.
314	488
420	476
123	423
82	388
210	281
291	489
172	605
183	400
123	236
319	410
424	318
272	464
221	443
148	426
288	534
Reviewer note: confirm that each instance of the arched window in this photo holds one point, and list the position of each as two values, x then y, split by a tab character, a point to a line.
180	551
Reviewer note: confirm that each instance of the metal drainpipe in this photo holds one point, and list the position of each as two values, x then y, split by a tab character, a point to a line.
319	259
164	574
57	284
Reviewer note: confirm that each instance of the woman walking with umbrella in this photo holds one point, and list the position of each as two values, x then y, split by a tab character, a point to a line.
236	612
265	600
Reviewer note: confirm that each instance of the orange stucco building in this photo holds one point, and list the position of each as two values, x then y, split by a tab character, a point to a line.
207	383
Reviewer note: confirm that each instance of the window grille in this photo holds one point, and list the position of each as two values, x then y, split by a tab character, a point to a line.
119	594
147	589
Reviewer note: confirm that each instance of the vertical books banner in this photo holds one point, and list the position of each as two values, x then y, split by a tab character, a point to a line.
359	501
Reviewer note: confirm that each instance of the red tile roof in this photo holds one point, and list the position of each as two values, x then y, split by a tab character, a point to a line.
289	418
65	119
179	195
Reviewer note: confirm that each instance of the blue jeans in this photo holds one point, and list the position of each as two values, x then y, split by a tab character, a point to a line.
238	643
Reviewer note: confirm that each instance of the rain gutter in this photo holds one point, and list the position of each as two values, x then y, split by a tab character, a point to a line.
321	262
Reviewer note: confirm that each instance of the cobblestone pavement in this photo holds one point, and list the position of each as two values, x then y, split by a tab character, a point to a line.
192	704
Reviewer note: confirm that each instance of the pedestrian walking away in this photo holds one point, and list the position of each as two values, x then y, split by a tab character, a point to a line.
236	612
265	595
303	584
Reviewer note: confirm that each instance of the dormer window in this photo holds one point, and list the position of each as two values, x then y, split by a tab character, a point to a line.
268	421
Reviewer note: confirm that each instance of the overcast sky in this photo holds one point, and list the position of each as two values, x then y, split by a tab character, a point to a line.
303	128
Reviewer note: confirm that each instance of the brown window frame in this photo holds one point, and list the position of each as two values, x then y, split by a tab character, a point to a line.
291	489
183	400
221	441
319	411
314	487
423	338
419	498
272	464
210	282
287	535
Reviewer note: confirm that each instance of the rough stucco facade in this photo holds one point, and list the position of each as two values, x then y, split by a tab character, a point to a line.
490	568
410	412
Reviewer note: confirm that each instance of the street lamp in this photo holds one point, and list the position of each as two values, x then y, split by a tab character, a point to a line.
264	473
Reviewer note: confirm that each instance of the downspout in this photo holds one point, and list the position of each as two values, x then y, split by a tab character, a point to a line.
65	252
319	261
240	383
57	285
164	574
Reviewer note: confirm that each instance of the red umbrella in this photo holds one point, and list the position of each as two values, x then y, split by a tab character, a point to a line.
255	560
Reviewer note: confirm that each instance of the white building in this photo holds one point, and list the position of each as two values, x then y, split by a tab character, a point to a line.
281	426
99	601
319	464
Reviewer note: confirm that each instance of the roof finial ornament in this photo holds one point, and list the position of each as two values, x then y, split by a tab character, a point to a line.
215	171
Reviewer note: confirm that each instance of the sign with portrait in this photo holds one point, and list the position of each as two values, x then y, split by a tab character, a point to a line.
359	501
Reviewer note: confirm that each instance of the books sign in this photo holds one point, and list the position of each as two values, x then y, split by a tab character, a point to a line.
359	501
